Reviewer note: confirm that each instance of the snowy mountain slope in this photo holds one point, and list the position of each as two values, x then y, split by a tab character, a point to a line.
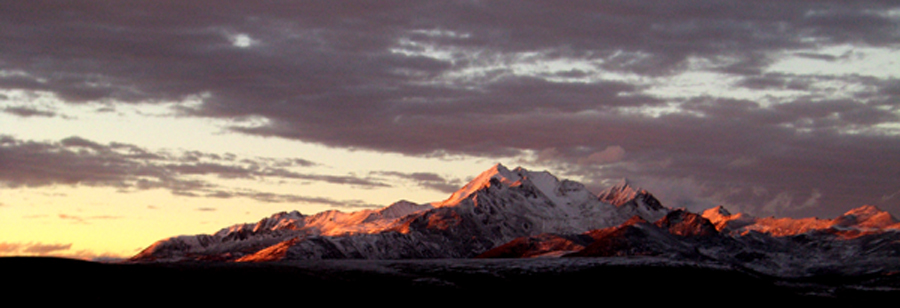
684	236
787	247
494	208
497	206
241	239
637	237
679	233
633	201
522	214
866	218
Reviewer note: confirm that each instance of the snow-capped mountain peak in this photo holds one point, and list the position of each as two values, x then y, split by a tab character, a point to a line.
496	206
560	193
525	213
635	201
397	209
278	221
620	193
867	216
495	175
719	210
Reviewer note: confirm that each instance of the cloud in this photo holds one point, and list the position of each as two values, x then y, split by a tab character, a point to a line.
268	197
26	112
426	180
56	250
576	83
43	249
31	248
85	220
9	247
78	161
743	161
548	154
610	154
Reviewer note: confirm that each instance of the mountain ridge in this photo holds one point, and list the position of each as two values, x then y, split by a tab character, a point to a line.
524	214
498	205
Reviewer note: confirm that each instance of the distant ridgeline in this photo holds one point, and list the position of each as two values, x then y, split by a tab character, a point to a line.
518	213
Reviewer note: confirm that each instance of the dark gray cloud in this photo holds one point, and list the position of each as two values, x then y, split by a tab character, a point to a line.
425	180
78	161
279	198
268	197
745	156
823	57
454	77
25	112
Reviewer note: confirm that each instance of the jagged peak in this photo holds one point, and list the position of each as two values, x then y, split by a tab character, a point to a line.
684	223
716	211
624	182
499	169
620	193
284	214
865	211
399	203
867	216
558	193
496	174
399	209
624	194
280	220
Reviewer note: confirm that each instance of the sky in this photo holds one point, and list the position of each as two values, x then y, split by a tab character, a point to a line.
126	122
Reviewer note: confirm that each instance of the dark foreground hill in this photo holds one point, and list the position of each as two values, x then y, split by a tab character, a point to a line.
579	281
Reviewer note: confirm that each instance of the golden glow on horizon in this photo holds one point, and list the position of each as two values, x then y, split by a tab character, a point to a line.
99	221
103	221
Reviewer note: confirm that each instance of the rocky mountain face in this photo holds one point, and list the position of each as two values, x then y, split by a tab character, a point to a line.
496	207
518	213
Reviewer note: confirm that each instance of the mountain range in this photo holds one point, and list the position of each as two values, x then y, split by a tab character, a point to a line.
518	213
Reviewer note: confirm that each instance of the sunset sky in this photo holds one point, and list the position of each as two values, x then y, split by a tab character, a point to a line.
126	122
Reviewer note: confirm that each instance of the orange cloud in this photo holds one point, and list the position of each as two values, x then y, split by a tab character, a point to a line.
31	248
8	249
